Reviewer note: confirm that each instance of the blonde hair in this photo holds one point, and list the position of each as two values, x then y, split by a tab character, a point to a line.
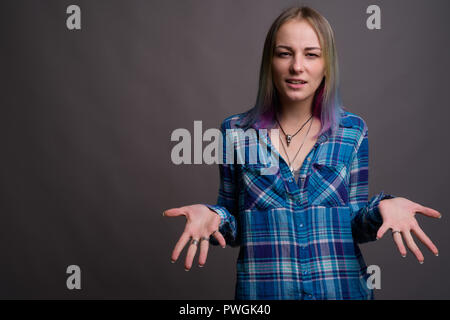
327	100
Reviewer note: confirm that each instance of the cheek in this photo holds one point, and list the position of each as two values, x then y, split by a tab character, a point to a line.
276	71
277	76
319	70
317	76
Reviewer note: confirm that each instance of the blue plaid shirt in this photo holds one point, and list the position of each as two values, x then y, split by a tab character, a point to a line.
299	240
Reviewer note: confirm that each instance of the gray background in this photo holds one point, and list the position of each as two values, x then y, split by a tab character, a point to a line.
86	119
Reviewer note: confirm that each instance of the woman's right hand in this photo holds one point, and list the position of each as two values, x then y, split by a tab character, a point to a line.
201	222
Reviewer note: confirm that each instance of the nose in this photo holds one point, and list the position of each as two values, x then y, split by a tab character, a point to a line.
297	65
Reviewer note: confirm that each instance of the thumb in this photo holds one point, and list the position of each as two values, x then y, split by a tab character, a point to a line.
174	212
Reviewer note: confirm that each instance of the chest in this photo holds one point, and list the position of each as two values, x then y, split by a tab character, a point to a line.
300	146
324	172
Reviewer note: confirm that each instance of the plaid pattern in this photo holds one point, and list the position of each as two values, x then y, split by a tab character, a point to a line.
300	240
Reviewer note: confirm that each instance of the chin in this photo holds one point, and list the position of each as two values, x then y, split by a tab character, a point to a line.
297	97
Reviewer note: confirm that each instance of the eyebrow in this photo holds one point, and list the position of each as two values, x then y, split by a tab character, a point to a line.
307	48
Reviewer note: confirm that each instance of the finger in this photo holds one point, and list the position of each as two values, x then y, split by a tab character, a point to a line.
190	254
425	240
384	227
399	242
204	246
174	212
179	246
412	245
428	212
219	237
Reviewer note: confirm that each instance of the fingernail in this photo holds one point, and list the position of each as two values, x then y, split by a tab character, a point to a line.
201	266
164	213
377	238
224	247
421	262
186	269
440	216
404	255
437	254
173	261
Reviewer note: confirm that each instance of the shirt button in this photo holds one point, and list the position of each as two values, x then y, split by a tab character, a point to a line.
301	225
305	272
291	180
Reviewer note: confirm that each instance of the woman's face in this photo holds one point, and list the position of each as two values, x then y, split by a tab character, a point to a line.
297	55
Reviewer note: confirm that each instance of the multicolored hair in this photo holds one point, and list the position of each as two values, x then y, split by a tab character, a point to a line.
327	103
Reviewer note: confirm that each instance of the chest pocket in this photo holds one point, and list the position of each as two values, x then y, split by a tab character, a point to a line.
327	184
262	191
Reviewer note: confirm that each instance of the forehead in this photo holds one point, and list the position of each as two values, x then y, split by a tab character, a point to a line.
297	34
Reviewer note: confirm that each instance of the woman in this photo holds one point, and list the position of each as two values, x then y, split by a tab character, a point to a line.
299	228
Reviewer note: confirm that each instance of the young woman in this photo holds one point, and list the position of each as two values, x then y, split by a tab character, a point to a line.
299	228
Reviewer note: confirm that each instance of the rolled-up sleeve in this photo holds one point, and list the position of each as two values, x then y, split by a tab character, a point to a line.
227	205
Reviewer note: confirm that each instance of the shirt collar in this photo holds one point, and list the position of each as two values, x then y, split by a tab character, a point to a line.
345	120
267	121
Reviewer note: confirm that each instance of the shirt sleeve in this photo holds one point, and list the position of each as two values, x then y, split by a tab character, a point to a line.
365	215
227	205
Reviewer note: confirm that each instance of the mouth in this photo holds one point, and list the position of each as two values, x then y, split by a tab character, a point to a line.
296	84
296	81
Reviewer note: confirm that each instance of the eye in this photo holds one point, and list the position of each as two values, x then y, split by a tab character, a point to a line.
313	54
282	54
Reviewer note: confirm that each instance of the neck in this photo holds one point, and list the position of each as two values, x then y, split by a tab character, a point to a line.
294	114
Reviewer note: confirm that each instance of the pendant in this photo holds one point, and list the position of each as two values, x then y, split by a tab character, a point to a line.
292	169
288	139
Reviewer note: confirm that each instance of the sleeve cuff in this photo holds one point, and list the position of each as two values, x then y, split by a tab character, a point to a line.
373	209
220	211
223	216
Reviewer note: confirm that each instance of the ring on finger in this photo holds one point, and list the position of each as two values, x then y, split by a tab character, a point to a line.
214	232
204	238
194	242
396	231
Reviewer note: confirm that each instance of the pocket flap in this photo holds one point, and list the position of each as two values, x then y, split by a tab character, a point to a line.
327	184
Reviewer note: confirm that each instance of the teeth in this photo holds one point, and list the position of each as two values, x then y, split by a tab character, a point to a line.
296	81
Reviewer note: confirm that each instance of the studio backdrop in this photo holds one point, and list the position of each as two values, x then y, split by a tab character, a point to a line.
92	91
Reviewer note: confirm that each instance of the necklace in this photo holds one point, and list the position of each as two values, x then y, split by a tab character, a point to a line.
290	136
291	163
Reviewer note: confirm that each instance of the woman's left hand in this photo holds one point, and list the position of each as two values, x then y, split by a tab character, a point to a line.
398	215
